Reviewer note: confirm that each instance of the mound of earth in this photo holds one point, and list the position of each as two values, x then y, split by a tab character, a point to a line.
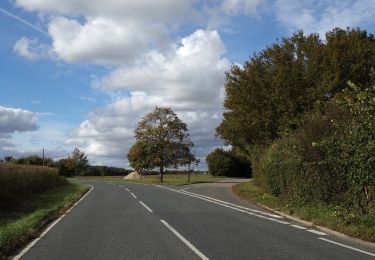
133	176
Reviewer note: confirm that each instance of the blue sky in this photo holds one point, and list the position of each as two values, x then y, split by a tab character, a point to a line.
81	73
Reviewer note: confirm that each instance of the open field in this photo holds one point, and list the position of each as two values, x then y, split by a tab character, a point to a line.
362	227
170	179
24	219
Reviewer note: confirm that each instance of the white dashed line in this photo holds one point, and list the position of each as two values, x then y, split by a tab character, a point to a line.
133	195
316	232
144	205
127	189
193	248
296	226
349	247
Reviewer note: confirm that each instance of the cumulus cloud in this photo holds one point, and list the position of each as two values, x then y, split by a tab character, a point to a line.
16	119
190	79
29	48
322	16
111	32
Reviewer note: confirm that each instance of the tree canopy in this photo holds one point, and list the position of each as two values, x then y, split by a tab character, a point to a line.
279	85
162	141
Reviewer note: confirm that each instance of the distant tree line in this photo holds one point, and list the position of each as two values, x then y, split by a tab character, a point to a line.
302	112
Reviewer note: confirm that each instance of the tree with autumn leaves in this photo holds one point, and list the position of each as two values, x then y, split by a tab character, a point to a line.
162	141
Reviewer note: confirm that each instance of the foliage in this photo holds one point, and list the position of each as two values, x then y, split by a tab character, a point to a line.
66	167
20	181
25	219
35	160
80	161
225	163
104	171
279	85
162	142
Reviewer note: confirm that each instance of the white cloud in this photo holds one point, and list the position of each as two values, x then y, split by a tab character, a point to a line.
16	119
111	32
190	79
29	48
322	16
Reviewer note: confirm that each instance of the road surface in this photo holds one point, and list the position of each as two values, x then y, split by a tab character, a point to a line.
133	221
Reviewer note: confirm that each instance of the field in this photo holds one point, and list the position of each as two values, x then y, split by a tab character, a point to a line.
169	179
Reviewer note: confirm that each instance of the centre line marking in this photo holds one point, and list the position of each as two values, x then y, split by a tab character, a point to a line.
191	246
349	247
133	195
127	189
144	205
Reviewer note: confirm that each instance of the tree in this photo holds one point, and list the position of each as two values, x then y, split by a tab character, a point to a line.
66	167
162	142
274	89
80	161
226	163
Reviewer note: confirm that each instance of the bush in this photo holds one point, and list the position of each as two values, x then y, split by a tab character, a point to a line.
223	163
17	181
330	158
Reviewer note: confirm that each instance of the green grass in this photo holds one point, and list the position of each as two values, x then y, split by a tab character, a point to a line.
169	179
362	226
24	220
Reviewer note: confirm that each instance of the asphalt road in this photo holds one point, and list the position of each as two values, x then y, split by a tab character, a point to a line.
129	221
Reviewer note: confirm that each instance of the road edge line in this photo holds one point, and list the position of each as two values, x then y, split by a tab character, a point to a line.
49	227
346	246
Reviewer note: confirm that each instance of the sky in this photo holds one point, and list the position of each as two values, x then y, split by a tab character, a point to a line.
82	73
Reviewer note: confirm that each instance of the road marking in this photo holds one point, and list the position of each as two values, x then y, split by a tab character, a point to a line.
32	243
127	189
227	206
144	205
296	226
120	185
174	231
349	247
316	232
133	195
238	206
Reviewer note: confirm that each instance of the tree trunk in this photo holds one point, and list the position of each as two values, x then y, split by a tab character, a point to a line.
161	173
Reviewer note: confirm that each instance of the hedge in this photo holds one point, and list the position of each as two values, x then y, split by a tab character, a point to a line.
17	181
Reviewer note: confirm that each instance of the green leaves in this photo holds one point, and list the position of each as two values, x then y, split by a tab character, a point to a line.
162	142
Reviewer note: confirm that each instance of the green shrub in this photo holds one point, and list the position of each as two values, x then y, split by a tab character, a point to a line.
17	181
224	163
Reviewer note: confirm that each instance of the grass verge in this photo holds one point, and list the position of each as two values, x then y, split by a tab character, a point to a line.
362	227
169	179
24	221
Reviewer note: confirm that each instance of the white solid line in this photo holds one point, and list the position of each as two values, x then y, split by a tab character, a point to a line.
133	195
195	250
316	232
32	243
144	205
296	226
352	248
227	206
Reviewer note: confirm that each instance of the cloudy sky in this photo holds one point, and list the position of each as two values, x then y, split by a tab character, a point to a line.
81	73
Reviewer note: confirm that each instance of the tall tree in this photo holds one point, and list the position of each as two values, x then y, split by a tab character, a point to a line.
278	86
162	142
80	161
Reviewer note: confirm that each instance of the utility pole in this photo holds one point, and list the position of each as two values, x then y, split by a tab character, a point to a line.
43	156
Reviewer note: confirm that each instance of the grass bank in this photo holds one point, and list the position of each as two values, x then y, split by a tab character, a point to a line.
362	227
169	179
24	220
